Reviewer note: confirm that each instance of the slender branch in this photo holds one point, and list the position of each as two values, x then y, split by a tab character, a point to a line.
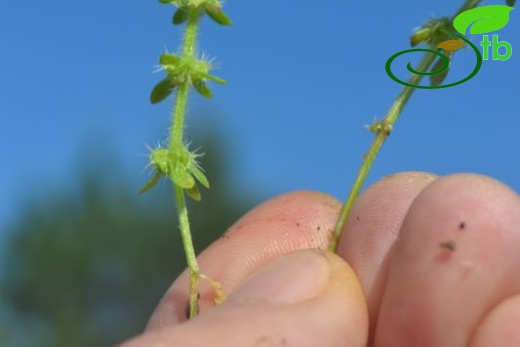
382	130
468	5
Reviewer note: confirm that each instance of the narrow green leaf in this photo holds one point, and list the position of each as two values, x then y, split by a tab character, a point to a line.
180	16
194	193
167	1
169	59
182	178
202	88
162	90
216	13
151	183
213	78
199	175
510	3
438	78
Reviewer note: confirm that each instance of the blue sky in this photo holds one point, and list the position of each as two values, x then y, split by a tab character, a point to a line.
304	77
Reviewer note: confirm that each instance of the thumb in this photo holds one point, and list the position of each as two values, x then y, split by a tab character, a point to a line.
307	298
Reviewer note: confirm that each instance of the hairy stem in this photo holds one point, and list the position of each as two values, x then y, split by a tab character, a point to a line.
188	51
191	258
176	141
383	129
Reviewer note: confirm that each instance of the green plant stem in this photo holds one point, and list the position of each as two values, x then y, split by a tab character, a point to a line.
191	257
468	5
179	113
176	141
381	135
189	47
384	129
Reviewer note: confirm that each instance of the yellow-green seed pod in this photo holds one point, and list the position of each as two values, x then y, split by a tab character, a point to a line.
160	160
420	36
181	177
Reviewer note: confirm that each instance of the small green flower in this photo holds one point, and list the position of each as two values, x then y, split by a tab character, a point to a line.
431	32
178	71
180	166
213	8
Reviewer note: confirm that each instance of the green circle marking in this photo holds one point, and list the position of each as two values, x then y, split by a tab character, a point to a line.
445	65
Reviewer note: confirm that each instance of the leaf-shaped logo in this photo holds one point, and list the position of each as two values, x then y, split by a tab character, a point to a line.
485	19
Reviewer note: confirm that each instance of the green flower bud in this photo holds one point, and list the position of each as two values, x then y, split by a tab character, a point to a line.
181	177
216	13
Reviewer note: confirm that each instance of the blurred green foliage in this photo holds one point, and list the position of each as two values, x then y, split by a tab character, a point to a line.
87	268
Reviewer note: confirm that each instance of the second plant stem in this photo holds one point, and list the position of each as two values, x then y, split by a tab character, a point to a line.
382	130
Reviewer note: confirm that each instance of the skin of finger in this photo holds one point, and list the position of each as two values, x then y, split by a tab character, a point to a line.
290	222
373	227
456	257
500	328
336	316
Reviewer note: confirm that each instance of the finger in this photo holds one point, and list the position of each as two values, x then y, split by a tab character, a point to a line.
457	256
500	327
372	229
306	299
295	221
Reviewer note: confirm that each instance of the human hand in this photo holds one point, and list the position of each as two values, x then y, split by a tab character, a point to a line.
423	261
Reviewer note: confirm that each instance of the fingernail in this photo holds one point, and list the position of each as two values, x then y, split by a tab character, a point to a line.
295	278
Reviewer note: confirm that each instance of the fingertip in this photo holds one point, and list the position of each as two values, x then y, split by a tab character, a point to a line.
455	258
500	327
373	227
